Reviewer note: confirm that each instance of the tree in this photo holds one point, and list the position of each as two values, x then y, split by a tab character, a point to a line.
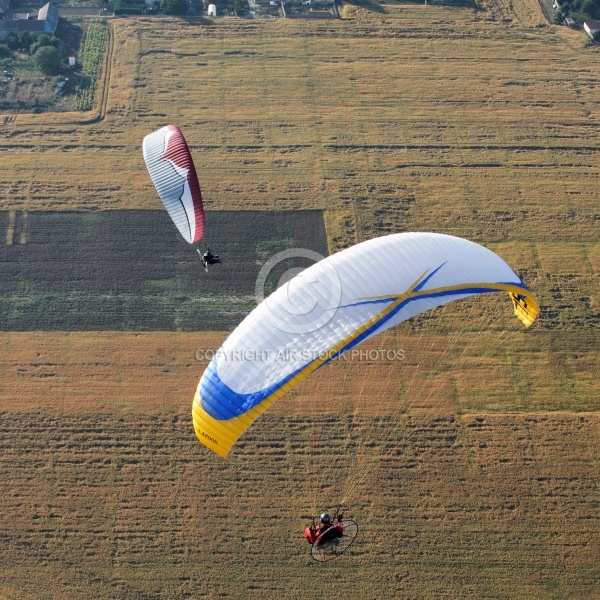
43	40
591	8
20	41
47	60
175	7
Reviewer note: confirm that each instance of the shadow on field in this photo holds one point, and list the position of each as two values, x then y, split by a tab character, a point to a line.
367	5
195	21
374	6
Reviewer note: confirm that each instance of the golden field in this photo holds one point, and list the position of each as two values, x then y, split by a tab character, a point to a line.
479	123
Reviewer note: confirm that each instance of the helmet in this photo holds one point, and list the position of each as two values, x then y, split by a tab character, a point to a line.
325	518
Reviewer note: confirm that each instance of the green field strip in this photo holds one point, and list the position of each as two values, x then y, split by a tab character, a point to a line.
129	271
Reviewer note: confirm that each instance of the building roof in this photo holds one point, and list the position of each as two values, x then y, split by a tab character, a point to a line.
45	20
49	13
31	25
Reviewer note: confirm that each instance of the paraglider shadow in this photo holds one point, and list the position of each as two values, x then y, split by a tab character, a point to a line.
195	21
367	5
373	6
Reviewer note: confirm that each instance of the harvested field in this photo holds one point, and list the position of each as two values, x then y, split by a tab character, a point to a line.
379	119
130	270
382	123
127	506
159	371
479	123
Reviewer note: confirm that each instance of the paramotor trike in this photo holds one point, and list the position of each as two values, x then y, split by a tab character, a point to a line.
333	540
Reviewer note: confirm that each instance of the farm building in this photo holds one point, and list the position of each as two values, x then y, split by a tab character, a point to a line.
43	21
591	27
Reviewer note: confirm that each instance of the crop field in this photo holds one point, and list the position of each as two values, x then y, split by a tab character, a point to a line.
471	464
127	507
130	270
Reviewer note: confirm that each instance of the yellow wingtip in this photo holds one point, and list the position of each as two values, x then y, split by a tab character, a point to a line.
208	432
526	307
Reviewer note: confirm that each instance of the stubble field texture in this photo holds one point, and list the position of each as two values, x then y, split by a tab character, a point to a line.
480	123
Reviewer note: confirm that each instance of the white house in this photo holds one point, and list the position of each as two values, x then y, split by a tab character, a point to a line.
591	27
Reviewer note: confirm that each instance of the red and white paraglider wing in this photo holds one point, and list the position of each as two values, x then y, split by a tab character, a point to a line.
172	170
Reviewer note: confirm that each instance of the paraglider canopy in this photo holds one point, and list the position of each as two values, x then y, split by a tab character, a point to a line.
331	307
172	170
